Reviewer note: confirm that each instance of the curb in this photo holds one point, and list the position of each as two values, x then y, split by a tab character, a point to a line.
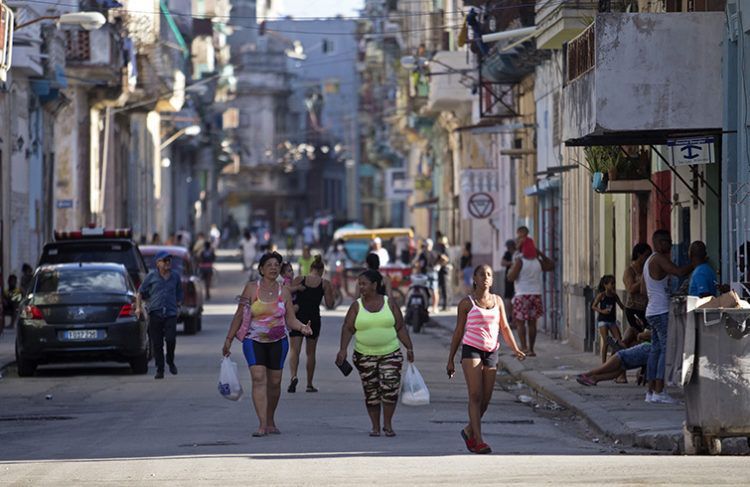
598	418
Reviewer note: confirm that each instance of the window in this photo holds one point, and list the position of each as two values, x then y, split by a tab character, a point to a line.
327	46
75	280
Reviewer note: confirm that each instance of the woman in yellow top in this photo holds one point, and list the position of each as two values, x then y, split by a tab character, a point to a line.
305	261
378	326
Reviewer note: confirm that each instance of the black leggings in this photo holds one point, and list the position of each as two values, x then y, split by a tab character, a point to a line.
633	315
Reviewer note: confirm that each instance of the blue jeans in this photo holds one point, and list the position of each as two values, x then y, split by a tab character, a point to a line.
657	356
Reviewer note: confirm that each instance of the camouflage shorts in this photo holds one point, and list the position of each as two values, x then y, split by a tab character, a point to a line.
381	376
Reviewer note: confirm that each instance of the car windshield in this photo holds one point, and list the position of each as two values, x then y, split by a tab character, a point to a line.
119	253
80	280
177	263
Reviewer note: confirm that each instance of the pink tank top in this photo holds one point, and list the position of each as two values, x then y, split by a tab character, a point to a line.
482	327
261	321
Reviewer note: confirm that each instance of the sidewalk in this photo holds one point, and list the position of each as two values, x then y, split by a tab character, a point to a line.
7	348
616	410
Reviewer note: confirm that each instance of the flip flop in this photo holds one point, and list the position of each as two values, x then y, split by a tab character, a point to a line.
585	380
374	433
273	431
311	389
530	354
293	385
259	434
470	442
389	433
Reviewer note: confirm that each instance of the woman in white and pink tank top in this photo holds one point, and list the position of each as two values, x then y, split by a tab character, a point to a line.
481	319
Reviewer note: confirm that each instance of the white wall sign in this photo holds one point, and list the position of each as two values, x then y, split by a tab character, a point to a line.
398	187
696	150
479	193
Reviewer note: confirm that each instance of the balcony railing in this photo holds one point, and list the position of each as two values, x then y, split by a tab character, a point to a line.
580	54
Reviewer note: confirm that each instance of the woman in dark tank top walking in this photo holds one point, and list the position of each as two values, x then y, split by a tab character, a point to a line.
314	289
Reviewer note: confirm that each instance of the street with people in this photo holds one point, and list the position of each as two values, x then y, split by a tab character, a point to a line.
374	242
112	426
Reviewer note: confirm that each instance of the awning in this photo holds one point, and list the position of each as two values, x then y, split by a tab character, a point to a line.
428	203
542	186
556	170
494	128
640	137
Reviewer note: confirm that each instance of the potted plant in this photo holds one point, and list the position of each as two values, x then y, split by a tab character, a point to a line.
605	160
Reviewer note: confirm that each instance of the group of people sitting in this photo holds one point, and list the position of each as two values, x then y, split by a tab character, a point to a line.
647	282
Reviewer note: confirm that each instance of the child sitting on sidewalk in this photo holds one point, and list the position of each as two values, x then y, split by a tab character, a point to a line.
606	321
627	359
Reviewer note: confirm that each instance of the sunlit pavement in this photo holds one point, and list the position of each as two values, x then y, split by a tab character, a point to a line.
99	425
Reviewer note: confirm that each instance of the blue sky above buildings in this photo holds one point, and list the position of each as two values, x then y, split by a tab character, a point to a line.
322	8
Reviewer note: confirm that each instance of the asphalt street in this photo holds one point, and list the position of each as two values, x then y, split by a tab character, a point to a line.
98	424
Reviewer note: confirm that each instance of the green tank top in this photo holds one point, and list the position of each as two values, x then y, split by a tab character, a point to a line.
375	333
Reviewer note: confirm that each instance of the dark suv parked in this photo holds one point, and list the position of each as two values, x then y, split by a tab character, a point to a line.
96	245
80	312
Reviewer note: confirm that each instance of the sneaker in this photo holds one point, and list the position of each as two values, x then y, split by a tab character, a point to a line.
649	396
663	398
173	369
159	374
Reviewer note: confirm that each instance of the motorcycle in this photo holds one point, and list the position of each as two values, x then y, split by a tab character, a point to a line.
417	302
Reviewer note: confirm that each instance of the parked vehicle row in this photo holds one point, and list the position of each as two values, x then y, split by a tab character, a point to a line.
81	303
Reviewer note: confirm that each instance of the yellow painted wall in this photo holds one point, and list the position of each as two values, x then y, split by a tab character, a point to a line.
526	169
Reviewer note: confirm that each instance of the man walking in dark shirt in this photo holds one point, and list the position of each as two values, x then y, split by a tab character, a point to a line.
162	289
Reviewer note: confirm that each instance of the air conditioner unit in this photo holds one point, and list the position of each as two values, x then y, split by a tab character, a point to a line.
6	39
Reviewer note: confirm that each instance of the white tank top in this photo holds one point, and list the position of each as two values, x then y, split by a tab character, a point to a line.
657	290
530	278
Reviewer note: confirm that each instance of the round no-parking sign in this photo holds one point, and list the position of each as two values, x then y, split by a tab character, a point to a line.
481	205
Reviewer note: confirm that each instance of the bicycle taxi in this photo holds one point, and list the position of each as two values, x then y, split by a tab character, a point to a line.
399	242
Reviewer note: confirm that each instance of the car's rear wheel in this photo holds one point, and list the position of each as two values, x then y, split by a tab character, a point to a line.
191	326
139	364
26	367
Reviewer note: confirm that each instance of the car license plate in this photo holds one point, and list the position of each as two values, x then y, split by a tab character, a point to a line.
83	335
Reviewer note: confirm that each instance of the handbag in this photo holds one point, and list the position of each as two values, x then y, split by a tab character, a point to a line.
244	328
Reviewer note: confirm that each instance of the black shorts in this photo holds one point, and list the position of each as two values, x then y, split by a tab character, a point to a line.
270	355
489	359
314	324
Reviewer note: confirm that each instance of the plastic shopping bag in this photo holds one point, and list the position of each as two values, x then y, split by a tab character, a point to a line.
229	383
414	391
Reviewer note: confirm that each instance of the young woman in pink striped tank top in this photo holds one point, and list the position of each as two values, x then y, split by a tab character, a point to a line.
481	319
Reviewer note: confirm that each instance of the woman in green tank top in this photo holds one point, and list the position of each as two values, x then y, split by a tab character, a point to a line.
378	326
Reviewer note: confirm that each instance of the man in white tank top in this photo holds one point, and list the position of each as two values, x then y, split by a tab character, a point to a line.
656	271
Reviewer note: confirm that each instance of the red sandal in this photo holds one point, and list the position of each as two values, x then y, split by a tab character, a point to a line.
482	448
471	443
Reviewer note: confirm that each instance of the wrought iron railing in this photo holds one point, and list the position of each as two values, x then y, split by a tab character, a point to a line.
580	54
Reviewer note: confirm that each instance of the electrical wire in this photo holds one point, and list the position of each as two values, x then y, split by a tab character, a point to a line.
390	16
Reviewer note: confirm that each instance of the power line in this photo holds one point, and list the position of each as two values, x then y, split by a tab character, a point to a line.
389	16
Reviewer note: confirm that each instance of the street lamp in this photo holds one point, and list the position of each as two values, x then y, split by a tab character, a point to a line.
191	130
85	20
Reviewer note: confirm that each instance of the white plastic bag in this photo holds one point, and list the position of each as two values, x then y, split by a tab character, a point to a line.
229	383
414	391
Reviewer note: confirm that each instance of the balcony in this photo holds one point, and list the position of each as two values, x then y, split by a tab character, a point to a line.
642	78
558	22
95	54
448	86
